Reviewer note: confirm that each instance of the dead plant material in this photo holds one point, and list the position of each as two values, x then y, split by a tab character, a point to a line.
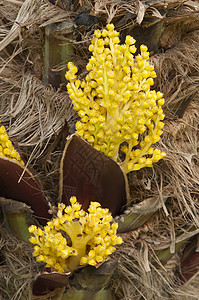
34	116
38	119
17	267
141	273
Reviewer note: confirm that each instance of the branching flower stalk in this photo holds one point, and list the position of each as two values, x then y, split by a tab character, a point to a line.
6	147
118	110
75	237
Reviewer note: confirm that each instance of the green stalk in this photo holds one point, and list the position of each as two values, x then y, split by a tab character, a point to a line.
57	53
91	283
139	214
163	252
16	217
103	294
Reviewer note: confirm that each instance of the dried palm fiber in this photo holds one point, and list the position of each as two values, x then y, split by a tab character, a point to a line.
35	114
17	268
146	270
140	275
177	177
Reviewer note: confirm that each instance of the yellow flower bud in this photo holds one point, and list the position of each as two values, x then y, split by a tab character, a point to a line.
161	102
32	228
143	48
150	81
99	51
104	33
153	74
97	33
148	162
110	27
102	57
116	40
120	57
130	40
126	79
132	49
136	167
123	48
110	74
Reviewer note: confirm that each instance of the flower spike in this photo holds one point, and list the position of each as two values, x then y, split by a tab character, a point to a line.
117	107
75	237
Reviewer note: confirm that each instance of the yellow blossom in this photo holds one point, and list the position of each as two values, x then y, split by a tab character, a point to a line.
127	110
6	147
75	237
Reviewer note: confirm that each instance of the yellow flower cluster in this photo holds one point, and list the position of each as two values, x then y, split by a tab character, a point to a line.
6	147
115	103
75	237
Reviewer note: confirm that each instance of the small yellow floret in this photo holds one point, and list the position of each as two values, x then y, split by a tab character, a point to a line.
110	27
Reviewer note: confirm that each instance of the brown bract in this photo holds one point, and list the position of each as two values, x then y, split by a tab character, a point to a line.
91	176
17	183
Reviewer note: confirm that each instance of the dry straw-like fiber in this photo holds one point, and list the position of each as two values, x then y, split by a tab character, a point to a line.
35	115
17	268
